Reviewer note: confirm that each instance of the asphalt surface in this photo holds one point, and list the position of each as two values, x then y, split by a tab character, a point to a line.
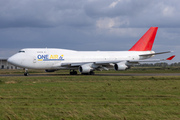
99	74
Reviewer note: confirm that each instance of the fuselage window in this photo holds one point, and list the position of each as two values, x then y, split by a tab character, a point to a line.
39	51
21	51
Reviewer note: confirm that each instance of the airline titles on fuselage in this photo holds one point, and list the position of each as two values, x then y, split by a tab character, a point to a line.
50	57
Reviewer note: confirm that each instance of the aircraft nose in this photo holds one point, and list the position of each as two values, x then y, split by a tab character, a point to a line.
13	60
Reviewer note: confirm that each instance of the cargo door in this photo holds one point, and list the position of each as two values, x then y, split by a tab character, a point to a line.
34	59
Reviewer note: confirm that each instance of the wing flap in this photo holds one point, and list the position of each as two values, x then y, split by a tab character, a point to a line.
106	62
73	64
96	63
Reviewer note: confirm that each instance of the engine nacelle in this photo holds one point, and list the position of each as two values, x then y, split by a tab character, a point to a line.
120	66
50	70
85	68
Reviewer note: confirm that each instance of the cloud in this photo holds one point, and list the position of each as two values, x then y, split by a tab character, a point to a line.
113	4
42	13
137	13
82	13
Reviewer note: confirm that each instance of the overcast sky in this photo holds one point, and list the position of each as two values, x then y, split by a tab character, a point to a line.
110	25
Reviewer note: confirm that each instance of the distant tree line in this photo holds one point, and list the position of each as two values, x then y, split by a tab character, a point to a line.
163	64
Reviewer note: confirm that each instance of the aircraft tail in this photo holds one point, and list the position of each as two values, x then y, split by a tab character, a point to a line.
145	43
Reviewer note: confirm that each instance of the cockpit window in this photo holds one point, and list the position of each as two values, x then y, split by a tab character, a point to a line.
21	51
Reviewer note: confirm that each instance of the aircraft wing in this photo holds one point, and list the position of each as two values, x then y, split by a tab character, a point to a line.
131	62
96	63
74	64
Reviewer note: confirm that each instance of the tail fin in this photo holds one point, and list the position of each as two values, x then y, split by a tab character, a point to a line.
145	43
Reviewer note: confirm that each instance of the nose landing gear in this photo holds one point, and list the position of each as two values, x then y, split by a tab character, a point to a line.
26	72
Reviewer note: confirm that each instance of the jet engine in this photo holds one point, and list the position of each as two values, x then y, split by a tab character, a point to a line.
50	70
120	66
86	68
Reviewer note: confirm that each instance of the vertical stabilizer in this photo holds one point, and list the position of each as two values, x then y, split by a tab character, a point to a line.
145	43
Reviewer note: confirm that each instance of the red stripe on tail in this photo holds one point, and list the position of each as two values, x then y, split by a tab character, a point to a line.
145	43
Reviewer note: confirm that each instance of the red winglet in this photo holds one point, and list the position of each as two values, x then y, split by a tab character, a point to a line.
170	58
145	43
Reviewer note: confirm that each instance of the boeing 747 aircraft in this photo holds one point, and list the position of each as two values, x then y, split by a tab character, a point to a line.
86	62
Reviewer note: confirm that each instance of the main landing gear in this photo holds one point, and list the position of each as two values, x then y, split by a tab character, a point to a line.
90	73
73	72
26	72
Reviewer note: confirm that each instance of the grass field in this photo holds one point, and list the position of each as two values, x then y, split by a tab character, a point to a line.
132	70
89	97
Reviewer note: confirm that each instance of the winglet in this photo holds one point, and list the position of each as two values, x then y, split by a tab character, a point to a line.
145	43
170	58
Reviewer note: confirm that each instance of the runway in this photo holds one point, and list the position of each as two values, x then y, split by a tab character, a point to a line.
97	74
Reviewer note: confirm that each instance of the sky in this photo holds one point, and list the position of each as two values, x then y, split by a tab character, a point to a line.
88	25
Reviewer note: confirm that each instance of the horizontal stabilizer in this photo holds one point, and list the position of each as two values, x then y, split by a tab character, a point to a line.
151	60
156	53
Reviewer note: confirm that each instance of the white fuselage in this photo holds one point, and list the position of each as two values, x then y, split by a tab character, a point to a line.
53	58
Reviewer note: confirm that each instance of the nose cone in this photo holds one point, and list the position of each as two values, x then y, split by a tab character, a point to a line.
14	60
10	60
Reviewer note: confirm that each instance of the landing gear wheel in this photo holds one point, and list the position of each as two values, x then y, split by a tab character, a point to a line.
73	72
91	73
26	72
85	73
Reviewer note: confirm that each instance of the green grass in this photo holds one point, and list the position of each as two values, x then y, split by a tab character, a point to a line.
90	97
132	70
